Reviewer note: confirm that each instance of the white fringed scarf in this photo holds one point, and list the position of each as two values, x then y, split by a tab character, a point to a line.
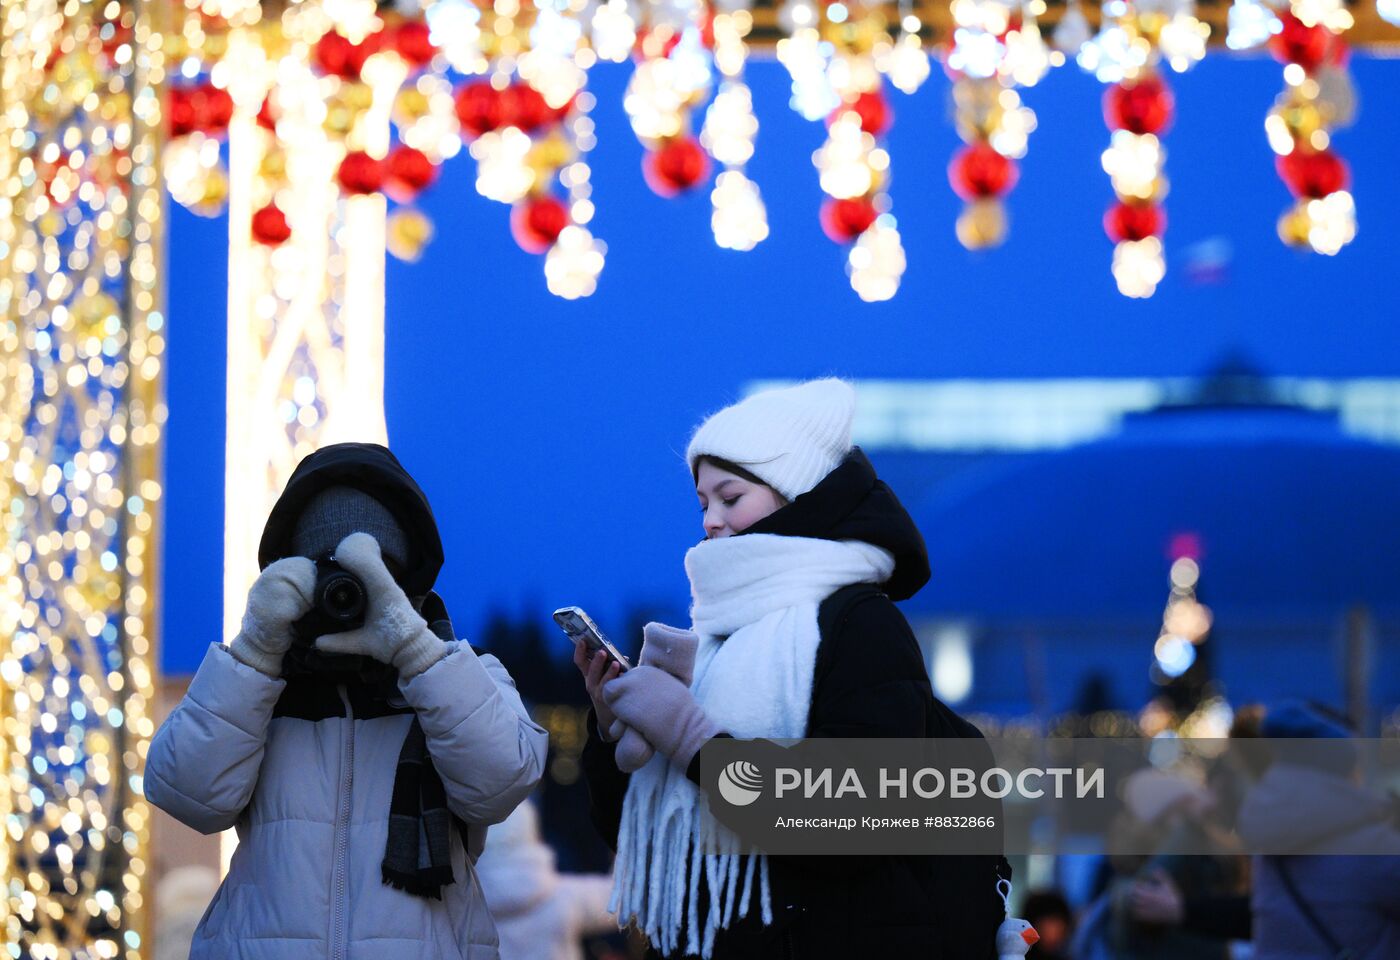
754	605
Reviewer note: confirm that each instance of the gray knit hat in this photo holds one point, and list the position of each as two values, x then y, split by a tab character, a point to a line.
336	512
790	438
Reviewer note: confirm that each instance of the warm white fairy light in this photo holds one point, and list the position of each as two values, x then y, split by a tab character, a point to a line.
454	27
613	31
189	163
436	131
550	65
1134	162
1249	24
806	60
655	98
876	261
739	219
1332	222
1332	14
1182	41
843	159
501	171
572	265
1027	58
730	125
1138	266
1018	122
905	62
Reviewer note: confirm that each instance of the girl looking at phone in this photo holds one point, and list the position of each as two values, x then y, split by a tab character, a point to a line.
795	635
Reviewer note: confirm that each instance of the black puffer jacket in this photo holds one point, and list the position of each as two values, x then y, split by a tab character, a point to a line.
869	681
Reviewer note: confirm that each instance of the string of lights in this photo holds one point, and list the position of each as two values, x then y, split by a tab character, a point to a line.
80	437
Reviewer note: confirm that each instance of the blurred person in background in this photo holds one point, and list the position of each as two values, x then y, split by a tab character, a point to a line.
1312	906
796	635
540	913
1155	898
1170	814
1049	912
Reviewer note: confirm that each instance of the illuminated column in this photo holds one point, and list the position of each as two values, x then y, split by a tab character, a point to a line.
306	317
81	418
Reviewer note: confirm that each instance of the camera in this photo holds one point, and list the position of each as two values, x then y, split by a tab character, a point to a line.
338	602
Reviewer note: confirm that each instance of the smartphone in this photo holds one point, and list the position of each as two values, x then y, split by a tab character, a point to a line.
580	626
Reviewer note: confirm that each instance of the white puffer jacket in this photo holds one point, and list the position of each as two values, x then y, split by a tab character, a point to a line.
310	799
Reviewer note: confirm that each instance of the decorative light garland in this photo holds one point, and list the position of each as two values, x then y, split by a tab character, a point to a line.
1135	36
522	111
996	48
81	420
1316	100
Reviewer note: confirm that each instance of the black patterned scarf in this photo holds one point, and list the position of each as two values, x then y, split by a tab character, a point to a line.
417	850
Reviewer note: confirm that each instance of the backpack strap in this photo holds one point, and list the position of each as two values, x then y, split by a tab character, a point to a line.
835	609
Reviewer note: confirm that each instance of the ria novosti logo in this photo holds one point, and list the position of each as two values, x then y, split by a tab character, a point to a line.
740	783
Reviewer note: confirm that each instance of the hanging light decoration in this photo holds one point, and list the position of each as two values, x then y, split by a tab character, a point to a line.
1132	42
996	48
739	220
673	76
1317	99
839	56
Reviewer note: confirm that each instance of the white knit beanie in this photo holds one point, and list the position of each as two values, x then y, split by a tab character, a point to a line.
790	438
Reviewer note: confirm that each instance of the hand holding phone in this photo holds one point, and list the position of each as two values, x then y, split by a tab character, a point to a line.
580	628
588	641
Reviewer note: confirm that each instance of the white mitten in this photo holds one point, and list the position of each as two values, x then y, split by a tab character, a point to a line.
282	595
393	631
673	650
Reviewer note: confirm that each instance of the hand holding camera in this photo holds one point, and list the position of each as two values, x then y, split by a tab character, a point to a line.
392	631
283	593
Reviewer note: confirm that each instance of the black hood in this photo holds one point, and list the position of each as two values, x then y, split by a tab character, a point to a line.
372	469
851	503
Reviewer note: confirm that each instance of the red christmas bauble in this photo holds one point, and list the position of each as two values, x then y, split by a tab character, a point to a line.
979	171
180	112
267	117
338	57
270	226
676	166
1299	43
1144	106
872	108
844	220
411	40
1134	221
537	222
479	108
213	108
525	108
332	55
360	173
409	173
1313	173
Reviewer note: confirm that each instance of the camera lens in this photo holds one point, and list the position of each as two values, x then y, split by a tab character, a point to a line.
342	596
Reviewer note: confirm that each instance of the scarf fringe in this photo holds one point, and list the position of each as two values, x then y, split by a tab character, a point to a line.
655	900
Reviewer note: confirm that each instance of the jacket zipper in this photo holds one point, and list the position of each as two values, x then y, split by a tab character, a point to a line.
339	931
